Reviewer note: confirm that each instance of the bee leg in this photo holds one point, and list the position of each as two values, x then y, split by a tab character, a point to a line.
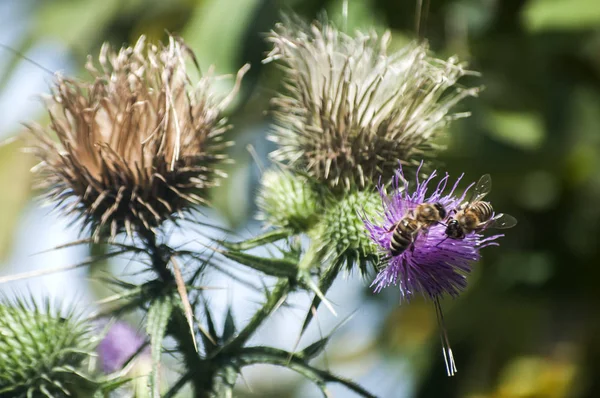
393	227
442	241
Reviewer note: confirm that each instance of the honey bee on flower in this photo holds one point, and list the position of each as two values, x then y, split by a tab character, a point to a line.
429	263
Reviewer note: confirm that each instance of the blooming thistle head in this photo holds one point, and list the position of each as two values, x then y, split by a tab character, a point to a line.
433	264
351	110
43	353
136	146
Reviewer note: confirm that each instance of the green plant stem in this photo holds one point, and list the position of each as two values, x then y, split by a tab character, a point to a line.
261	355
178	327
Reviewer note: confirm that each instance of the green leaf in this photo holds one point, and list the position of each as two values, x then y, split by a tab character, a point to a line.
314	349
269	237
229	327
112	385
156	326
317	347
269	266
544	15
212	331
325	283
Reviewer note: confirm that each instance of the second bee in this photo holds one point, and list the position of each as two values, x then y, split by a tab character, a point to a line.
406	231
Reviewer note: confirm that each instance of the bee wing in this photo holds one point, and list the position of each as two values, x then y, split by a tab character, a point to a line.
482	188
502	221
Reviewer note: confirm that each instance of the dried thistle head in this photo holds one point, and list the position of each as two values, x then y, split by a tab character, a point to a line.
351	111
137	145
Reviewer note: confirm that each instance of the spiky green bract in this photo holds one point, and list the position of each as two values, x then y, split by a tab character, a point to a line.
340	233
42	353
351	110
288	200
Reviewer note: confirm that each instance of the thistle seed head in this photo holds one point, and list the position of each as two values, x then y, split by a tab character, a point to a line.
42	353
351	111
138	144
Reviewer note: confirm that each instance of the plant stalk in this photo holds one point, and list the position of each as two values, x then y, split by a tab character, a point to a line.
178	327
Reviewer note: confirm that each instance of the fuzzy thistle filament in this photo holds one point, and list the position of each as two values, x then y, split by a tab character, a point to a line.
137	145
351	110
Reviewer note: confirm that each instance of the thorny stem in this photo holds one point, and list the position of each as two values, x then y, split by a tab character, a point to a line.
178	327
209	379
214	376
275	356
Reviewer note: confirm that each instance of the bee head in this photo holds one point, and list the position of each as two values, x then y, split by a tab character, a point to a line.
454	230
441	209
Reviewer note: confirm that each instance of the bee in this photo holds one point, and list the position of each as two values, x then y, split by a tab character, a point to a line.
404	234
420	218
428	214
475	214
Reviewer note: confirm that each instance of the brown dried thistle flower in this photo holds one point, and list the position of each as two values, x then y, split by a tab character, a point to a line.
351	111
136	146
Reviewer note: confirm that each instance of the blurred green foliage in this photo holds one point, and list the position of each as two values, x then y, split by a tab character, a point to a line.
528	326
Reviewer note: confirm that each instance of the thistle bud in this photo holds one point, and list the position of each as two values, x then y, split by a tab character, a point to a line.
287	200
341	233
137	145
351	111
42	354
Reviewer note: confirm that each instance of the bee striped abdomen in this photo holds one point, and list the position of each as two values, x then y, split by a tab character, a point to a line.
484	210
399	242
403	235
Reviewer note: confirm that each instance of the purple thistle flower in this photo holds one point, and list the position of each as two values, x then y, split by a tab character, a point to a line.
433	265
118	346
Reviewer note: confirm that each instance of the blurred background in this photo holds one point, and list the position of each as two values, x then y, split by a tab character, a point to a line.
529	323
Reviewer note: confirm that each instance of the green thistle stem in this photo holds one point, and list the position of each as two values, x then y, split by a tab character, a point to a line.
311	258
210	380
274	356
178	327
